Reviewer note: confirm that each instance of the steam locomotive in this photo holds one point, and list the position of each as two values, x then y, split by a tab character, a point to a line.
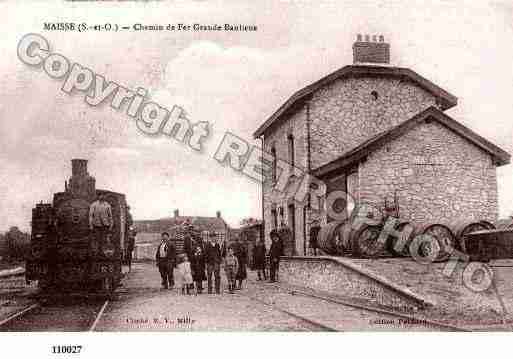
61	256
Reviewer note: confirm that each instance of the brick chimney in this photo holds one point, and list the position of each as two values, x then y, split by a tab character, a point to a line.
367	51
218	214
177	213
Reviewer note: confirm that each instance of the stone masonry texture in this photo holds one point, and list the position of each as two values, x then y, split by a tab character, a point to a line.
345	113
439	177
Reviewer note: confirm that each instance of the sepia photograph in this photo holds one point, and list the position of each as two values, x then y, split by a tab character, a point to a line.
255	167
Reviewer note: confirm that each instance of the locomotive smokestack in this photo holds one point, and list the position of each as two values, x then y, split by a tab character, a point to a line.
78	167
80	183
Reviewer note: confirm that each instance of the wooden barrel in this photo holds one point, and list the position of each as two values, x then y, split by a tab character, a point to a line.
334	237
392	240
463	227
364	241
445	241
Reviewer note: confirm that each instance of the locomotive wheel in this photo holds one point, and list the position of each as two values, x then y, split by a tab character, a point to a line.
45	284
445	239
107	285
364	242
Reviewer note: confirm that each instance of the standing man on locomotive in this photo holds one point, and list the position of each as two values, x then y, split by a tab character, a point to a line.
213	259
166	260
100	222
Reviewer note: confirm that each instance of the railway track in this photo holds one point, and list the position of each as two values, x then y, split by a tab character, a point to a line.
309	324
55	316
404	317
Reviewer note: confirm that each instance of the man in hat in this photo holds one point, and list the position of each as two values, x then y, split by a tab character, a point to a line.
166	260
274	255
213	259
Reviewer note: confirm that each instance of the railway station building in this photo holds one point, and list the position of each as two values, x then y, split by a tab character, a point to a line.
379	133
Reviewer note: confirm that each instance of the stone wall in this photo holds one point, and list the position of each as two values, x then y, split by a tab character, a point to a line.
296	126
346	113
439	177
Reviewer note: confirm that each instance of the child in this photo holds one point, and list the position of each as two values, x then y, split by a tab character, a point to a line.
185	274
231	266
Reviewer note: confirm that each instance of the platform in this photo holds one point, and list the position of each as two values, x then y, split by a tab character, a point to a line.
403	284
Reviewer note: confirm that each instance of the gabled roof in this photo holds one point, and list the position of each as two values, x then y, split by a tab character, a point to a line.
500	156
446	99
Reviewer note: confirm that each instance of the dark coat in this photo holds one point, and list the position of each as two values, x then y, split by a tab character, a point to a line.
242	256
314	234
198	263
170	255
276	250
188	245
259	256
131	243
213	253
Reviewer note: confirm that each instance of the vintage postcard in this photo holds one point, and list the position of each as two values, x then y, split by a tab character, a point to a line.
256	166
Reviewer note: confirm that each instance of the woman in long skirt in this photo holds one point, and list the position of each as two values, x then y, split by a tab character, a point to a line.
242	257
198	267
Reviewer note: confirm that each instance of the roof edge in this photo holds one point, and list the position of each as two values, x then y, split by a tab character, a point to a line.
500	156
448	100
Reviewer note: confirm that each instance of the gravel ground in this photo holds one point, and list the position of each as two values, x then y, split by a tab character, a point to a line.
142	306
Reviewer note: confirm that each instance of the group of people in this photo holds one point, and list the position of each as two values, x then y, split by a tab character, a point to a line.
259	257
199	262
203	261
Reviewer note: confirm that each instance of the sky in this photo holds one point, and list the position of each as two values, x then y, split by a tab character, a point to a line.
233	80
